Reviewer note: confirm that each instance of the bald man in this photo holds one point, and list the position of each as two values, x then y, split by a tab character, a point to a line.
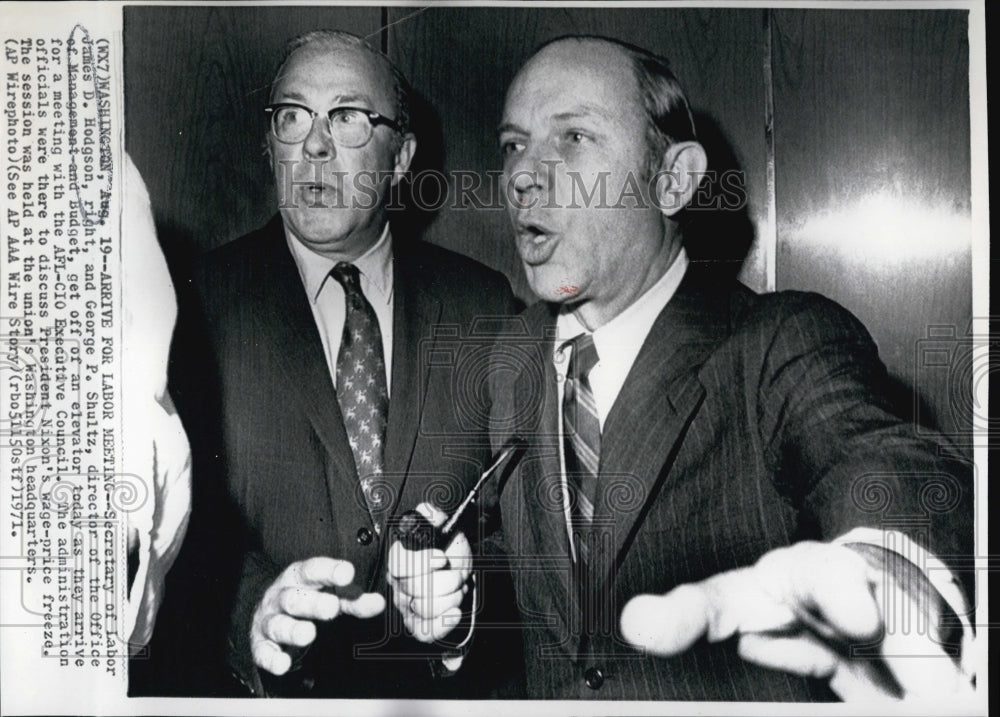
701	514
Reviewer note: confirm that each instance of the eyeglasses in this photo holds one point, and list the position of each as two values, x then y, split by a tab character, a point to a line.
349	126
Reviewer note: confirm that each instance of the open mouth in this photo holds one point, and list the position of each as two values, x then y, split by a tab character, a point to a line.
535	242
534	234
533	231
318	188
317	194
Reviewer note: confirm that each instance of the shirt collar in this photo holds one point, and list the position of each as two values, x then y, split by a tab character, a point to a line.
375	266
621	338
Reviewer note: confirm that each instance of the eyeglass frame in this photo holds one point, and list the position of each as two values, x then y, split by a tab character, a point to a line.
374	120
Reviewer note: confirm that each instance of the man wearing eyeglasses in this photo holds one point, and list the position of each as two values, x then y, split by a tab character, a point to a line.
318	326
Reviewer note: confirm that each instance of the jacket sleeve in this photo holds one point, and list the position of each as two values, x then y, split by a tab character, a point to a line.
840	451
257	573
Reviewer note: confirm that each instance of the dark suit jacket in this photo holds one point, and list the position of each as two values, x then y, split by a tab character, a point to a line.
747	423
281	449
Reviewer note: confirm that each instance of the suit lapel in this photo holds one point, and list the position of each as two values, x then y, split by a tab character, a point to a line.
285	314
416	310
648	422
540	474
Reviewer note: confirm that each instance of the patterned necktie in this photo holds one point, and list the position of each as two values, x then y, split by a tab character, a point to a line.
582	433
361	386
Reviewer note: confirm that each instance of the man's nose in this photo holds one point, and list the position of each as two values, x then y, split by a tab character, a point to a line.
531	173
318	144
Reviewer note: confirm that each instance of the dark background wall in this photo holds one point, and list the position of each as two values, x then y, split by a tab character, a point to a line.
851	129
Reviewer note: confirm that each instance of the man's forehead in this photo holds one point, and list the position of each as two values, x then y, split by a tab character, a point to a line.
581	77
349	72
566	114
583	55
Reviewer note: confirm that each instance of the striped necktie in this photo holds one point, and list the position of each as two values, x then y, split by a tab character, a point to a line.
582	434
361	387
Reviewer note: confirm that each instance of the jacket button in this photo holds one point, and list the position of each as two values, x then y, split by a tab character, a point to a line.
364	536
594	678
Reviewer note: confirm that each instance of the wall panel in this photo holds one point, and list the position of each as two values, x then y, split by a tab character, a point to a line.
872	154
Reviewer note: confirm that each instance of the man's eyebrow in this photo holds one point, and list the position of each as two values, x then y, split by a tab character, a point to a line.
510	127
353	98
578	112
292	96
583	111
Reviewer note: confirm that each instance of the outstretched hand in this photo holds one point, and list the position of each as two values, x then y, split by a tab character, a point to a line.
800	609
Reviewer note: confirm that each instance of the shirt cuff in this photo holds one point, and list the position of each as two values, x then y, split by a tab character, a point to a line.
937	573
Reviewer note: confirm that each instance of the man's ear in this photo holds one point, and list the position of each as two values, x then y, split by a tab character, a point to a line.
684	165
404	155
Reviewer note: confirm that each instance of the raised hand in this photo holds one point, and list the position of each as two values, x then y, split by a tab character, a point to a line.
299	596
800	609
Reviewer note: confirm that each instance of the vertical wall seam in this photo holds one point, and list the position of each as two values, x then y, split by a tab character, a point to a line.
770	241
384	26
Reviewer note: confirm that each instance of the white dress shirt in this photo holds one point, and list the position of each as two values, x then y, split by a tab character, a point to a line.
326	295
617	343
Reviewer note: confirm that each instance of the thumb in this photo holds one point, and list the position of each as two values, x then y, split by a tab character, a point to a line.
364	606
435	515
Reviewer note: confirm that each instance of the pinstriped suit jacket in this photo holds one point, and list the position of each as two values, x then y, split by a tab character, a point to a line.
282	455
747	423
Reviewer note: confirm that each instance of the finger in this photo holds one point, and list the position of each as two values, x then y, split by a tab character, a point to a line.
666	624
404	563
418	628
309	604
439	582
407	563
828	580
401	600
433	607
430	630
459	554
918	663
435	515
801	654
366	605
715	608
862	681
319	572
268	656
286	630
